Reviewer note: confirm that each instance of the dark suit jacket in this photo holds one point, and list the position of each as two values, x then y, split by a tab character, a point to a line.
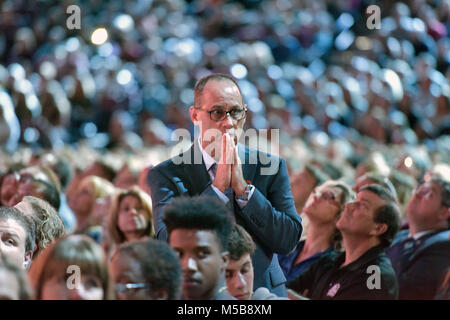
269	216
420	268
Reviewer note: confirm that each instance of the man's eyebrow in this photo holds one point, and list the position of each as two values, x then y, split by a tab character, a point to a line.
11	234
365	200
218	106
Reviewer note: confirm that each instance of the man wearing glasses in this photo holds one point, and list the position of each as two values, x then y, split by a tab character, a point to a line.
216	165
420	255
363	271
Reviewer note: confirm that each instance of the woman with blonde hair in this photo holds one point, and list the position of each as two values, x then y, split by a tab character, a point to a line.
323	209
72	268
130	216
90	202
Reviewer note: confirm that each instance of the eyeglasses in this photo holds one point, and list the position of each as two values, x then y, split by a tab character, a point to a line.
328	196
219	115
124	287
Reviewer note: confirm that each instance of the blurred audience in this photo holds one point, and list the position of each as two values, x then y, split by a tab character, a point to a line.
146	270
18	237
72	268
239	271
14	284
198	229
49	226
323	209
420	255
83	119
130	217
368	226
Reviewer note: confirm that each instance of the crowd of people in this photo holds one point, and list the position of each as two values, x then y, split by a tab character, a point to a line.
358	126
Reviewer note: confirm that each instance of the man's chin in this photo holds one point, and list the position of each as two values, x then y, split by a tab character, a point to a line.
193	290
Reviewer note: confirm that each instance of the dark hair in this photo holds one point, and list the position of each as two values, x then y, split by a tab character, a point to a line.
25	291
319	175
380	191
202	213
445	186
26	222
63	170
328	167
388	213
382	181
200	85
445	195
107	173
240	243
50	193
159	264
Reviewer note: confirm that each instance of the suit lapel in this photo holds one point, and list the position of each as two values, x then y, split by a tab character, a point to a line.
249	162
195	171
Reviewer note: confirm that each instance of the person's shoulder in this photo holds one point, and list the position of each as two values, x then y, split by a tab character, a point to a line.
437	240
174	162
441	236
384	263
327	258
401	235
264	294
260	154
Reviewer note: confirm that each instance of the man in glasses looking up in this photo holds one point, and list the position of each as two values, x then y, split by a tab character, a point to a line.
216	165
363	271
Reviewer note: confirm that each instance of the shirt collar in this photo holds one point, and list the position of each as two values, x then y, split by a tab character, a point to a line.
209	161
369	255
420	234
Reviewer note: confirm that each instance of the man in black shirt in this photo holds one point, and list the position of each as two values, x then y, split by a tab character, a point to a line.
363	271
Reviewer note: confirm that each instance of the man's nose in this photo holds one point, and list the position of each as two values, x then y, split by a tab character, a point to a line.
189	264
228	121
349	206
239	281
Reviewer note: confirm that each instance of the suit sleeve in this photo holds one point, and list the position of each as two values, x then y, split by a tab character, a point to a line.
273	219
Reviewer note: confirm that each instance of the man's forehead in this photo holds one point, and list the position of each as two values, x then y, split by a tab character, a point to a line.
201	238
370	197
11	225
225	85
432	185
243	260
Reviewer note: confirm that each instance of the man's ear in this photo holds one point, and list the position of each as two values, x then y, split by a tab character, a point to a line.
194	114
27	260
380	228
444	213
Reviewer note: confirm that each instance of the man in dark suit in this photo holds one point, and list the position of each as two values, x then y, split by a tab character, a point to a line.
255	185
421	255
